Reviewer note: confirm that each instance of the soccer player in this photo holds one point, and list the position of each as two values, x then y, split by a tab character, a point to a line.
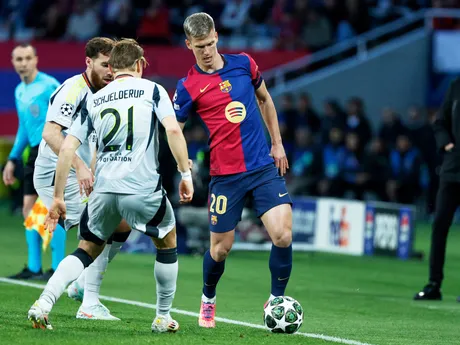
125	116
32	96
65	105
228	93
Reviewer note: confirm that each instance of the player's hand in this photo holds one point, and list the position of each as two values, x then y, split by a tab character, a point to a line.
85	179
56	211
185	191
8	173
449	147
280	158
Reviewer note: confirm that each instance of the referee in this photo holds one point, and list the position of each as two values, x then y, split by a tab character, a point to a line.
447	132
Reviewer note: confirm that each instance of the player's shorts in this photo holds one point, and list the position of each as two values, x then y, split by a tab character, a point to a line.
29	167
75	203
228	194
151	214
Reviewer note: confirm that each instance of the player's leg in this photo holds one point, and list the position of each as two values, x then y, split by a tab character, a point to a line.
227	196
273	205
95	272
154	215
99	215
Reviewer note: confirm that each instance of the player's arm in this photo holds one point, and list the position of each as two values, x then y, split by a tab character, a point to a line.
19	146
268	110
165	112
66	155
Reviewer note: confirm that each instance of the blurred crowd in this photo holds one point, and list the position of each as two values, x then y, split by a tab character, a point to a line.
277	24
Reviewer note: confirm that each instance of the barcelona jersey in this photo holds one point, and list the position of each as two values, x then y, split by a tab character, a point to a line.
226	103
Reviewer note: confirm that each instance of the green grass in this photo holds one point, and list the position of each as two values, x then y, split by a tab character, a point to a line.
360	298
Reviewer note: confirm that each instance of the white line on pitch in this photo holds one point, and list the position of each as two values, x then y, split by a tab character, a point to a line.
189	313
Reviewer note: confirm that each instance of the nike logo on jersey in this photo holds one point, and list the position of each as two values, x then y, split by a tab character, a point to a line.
280	279
281	195
204	89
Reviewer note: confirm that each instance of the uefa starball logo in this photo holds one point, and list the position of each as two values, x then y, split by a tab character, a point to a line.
339	227
235	112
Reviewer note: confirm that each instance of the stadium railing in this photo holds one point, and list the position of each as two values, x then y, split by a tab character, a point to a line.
358	46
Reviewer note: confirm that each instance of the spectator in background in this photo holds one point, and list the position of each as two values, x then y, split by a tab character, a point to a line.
422	136
234	16
333	154
154	25
334	10
306	115
376	165
391	127
405	161
306	167
357	121
354	176
333	117
120	20
55	20
317	31
83	22
358	15
287	118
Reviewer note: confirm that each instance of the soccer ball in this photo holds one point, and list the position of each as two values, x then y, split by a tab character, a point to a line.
283	314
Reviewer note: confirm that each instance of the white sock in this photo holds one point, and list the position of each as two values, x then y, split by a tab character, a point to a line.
115	249
81	279
166	278
68	270
94	274
207	299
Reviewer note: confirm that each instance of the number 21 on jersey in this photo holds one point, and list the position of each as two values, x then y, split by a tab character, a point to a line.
109	137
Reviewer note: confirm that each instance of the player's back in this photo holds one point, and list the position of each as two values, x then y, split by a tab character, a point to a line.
125	116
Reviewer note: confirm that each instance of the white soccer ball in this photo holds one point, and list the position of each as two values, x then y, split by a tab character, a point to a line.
283	314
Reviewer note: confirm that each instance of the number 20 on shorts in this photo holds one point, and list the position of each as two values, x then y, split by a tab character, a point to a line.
220	204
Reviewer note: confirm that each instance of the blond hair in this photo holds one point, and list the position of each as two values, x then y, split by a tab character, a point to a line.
125	54
198	25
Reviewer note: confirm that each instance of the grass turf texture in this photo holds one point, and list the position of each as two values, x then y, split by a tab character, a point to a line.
368	300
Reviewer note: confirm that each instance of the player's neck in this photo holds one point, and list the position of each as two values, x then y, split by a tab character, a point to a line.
217	65
125	74
29	79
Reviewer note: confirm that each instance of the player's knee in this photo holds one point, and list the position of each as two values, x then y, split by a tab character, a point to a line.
283	239
168	242
220	251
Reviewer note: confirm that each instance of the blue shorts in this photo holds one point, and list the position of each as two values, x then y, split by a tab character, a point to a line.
228	194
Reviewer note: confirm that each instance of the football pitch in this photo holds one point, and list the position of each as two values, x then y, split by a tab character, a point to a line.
347	300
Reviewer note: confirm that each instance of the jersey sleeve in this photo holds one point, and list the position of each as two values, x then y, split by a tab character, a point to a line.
82	127
63	104
161	103
182	102
256	76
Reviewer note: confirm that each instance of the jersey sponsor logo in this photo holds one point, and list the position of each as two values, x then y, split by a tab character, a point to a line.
204	89
235	112
67	109
225	86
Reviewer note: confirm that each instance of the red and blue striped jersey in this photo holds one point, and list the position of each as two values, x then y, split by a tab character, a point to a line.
226	103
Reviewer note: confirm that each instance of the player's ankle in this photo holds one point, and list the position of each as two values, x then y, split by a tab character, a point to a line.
205	299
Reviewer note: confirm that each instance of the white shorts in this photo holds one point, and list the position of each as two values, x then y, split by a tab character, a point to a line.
151	214
75	203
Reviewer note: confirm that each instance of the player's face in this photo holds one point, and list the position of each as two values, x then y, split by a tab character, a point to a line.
24	61
204	49
100	73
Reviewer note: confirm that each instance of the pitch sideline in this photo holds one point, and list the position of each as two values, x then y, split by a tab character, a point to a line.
189	313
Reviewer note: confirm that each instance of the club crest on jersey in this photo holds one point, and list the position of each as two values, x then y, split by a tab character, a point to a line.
225	86
213	220
235	112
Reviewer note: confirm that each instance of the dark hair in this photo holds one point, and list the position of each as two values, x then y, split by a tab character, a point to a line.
99	45
25	45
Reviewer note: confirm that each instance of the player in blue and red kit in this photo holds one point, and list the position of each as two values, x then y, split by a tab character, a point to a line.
226	92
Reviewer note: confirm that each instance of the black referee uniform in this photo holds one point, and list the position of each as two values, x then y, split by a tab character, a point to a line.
447	132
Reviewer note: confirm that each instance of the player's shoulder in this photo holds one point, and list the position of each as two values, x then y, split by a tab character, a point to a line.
240	58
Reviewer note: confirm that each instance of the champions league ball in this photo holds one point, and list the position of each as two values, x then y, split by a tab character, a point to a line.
283	314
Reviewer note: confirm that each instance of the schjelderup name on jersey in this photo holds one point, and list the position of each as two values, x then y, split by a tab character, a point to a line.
115	96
